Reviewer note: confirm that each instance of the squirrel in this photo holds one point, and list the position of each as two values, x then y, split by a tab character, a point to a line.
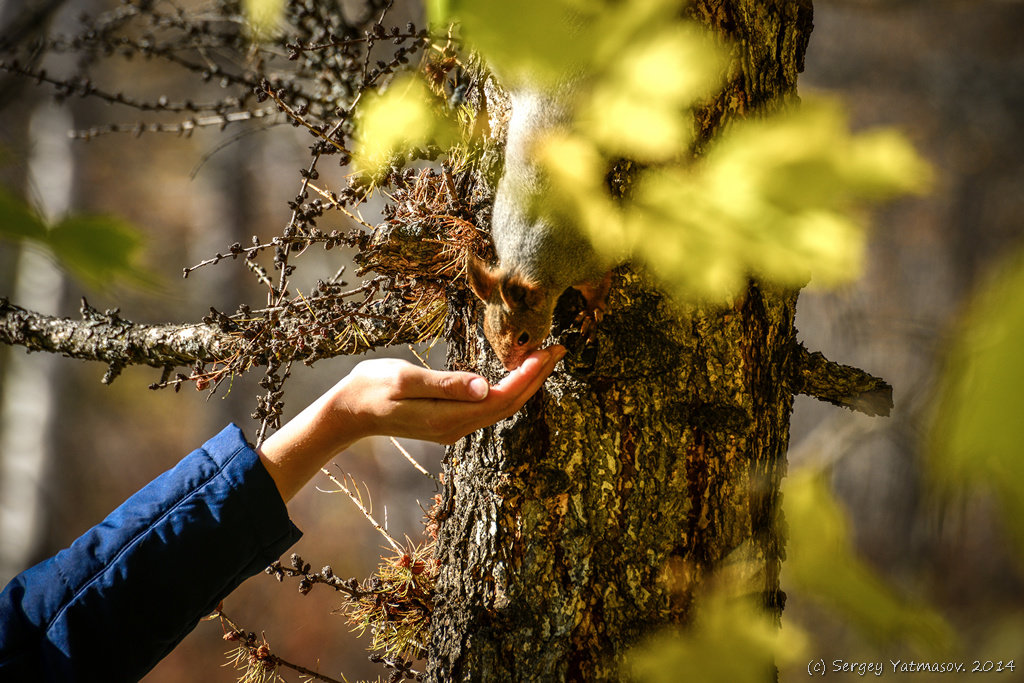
539	256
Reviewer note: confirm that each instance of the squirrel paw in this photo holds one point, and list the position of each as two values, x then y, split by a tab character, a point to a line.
596	296
588	321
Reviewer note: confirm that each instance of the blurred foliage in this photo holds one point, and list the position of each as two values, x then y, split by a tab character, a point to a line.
737	642
779	196
822	563
264	16
401	118
732	641
776	197
99	250
17	220
977	434
524	40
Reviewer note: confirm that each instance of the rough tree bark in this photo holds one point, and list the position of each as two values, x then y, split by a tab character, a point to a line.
647	469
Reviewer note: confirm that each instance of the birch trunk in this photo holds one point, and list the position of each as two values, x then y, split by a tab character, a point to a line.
28	401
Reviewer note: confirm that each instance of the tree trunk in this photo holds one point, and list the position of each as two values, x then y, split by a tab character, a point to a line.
31	384
648	467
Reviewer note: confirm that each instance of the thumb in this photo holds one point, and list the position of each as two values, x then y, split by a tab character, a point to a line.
454	386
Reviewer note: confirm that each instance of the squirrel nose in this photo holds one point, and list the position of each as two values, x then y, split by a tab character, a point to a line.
513	360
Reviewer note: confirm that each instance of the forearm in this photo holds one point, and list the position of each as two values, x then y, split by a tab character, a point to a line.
131	587
296	452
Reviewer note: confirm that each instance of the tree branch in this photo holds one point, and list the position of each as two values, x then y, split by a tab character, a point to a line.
841	385
108	338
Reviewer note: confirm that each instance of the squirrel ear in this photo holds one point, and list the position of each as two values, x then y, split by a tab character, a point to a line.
520	294
481	278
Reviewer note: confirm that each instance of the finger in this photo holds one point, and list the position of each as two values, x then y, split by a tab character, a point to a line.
504	399
529	376
532	374
509	395
454	386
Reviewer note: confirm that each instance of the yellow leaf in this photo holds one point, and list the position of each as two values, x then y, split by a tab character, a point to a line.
535	40
623	123
263	16
822	563
399	119
977	431
732	641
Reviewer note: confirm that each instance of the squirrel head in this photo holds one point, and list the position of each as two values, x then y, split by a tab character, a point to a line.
517	315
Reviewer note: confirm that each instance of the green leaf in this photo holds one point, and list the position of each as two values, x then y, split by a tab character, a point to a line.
18	221
822	563
264	16
638	108
439	11
978	431
533	39
779	197
99	250
732	642
398	120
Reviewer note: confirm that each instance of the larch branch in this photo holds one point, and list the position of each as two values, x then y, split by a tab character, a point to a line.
108	338
111	339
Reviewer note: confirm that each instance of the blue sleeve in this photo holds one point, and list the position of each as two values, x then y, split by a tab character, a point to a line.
128	590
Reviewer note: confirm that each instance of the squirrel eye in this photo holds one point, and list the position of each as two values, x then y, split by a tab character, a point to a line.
523	338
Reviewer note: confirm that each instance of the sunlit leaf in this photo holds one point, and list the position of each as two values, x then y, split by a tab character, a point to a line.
732	642
575	168
439	11
625	124
639	106
978	431
528	39
17	220
884	164
807	157
822	563
100	250
779	197
264	16
400	119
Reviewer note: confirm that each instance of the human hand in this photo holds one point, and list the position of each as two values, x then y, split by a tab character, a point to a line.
395	398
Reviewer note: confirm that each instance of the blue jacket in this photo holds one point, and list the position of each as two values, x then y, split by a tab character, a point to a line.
128	590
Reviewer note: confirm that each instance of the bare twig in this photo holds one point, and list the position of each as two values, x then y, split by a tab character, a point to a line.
307	579
254	655
347	489
408	456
